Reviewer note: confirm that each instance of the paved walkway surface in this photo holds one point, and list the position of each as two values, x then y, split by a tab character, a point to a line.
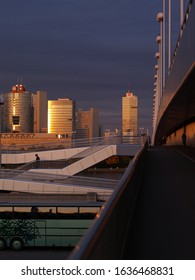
164	222
188	151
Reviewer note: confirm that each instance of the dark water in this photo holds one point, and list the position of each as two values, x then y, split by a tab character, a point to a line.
104	174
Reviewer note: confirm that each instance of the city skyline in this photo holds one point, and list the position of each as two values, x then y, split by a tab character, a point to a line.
90	51
27	112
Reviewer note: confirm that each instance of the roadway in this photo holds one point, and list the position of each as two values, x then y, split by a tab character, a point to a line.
164	226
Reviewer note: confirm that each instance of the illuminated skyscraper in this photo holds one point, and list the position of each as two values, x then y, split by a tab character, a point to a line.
17	111
61	117
129	114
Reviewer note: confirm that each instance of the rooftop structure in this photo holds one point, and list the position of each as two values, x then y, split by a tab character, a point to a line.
17	111
129	114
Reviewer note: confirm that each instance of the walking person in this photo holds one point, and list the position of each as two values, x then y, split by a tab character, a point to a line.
164	140
37	160
184	138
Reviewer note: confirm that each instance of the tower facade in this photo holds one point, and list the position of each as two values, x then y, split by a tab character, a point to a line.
40	105
61	117
129	114
17	111
87	123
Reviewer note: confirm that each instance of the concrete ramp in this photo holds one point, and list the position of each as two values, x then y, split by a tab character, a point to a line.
51	188
90	160
83	163
31	182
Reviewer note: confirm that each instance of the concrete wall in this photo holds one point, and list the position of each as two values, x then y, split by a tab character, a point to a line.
48	188
21	158
16	158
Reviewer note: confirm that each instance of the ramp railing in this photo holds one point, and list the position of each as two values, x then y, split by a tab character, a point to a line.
106	238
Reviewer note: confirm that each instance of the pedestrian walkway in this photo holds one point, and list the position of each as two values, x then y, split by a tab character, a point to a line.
164	226
188	151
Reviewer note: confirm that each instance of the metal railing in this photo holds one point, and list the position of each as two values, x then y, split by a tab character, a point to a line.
89	151
59	164
47	164
106	238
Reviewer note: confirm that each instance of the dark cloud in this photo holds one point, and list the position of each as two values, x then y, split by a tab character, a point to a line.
87	50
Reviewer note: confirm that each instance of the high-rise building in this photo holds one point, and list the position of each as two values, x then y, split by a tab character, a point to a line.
129	114
17	111
87	123
61	117
40	111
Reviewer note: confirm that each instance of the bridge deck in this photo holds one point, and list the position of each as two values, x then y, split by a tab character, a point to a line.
164	223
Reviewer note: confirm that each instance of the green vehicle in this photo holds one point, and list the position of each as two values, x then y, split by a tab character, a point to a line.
45	224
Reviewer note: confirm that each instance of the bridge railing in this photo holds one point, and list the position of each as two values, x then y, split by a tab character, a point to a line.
106	238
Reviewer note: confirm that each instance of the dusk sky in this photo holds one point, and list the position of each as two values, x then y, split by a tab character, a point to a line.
92	51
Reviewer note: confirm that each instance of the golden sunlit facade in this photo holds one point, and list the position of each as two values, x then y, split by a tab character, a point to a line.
129	114
17	111
61	117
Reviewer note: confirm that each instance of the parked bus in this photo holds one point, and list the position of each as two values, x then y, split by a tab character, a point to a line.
61	224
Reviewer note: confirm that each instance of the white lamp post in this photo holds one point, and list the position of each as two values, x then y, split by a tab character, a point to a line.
169	36
141	130
1	104
181	12
163	44
158	68
160	17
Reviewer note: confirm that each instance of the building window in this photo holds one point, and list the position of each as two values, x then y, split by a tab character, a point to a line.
15	120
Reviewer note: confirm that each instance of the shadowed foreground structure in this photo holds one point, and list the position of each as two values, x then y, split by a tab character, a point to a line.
163	226
151	213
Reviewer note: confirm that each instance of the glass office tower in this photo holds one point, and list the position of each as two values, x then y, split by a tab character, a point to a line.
129	114
61	117
17	111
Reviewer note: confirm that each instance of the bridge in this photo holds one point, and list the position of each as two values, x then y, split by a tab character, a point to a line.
150	214
175	103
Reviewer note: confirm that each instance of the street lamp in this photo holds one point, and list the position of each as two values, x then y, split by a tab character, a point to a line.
141	129
169	36
1	104
160	40
181	13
